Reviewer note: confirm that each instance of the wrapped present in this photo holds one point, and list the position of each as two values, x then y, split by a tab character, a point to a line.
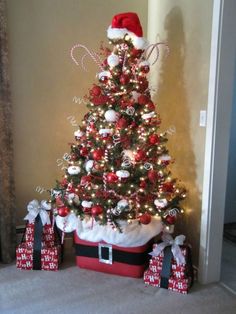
48	235
170	264
178	285
113	259
48	259
177	271
39	251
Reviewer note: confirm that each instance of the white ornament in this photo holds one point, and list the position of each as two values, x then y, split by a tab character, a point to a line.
144	64
161	202
104	74
56	193
148	115
128	153
123	204
122	174
165	158
148	166
105	132
73	198
74	170
111	115
78	133
130	111
87	204
68	223
89	165
135	95
113	60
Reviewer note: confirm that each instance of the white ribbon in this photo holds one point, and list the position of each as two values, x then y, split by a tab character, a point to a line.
35	208
174	243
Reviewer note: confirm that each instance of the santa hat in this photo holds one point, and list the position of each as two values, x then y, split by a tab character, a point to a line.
127	24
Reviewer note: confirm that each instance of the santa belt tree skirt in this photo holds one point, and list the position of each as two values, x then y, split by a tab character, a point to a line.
113	259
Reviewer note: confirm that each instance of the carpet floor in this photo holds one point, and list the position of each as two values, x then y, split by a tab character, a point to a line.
73	290
228	264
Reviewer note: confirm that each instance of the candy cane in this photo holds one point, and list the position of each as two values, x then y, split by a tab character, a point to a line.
95	57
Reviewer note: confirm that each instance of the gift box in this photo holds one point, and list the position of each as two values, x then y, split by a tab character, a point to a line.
48	235
178	285
113	259
38	249
47	259
178	271
170	266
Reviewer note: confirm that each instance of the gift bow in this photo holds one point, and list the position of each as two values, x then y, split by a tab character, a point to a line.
35	208
175	249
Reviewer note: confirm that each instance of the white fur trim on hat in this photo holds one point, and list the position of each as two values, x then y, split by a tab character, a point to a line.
119	33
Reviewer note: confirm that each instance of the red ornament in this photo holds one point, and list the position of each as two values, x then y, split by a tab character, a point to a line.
96	210
124	79
112	177
95	91
143	184
151	105
168	187
170	219
152	175
153	139
64	182
103	79
136	52
74	157
100	100
85	180
63	211
143	84
140	155
122	123
83	151
145	69
145	219
98	154
143	99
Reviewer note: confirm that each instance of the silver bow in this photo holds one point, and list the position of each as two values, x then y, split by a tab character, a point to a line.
35	208
174	243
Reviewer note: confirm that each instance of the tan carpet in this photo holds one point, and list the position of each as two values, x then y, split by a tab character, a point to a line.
74	290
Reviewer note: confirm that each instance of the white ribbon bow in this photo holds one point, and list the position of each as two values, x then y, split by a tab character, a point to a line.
174	243
35	208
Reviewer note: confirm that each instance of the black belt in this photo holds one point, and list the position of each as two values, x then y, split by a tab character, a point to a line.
108	255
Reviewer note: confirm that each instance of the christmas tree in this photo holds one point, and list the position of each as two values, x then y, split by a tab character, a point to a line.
118	168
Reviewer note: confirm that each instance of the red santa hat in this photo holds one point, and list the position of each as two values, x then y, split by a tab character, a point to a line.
127	24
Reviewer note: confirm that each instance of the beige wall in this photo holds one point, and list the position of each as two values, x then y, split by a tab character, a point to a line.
182	81
45	80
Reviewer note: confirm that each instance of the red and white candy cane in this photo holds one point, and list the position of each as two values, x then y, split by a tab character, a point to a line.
149	50
95	57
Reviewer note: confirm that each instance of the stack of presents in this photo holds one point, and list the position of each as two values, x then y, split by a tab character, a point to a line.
170	265
40	248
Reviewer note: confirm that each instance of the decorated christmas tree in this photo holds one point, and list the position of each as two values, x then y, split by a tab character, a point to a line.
118	179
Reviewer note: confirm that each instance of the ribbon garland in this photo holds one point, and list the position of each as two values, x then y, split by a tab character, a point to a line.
35	208
149	50
174	244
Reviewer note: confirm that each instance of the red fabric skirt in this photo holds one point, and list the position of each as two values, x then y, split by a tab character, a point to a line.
113	259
